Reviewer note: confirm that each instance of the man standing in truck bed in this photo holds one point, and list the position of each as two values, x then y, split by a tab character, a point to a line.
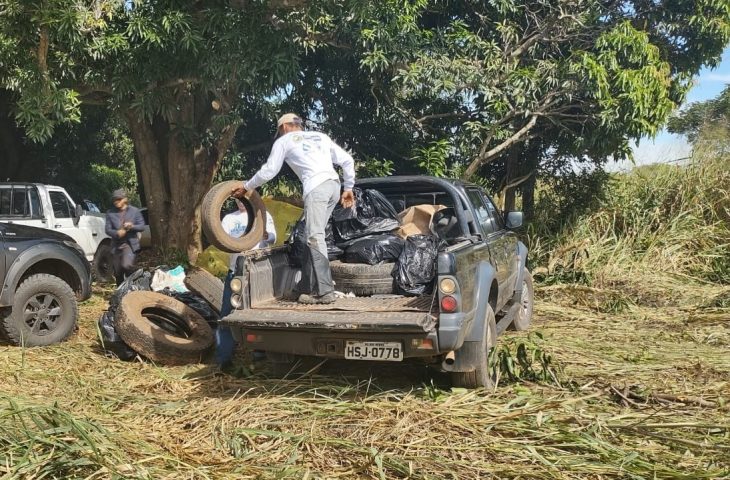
312	156
124	223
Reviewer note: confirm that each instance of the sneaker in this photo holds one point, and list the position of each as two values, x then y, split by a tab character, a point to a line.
315	299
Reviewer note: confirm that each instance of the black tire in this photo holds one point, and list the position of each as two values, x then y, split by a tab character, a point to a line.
363	279
211	216
102	268
162	328
44	312
482	376
523	318
206	285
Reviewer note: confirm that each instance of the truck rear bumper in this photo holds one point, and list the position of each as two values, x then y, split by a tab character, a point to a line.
331	344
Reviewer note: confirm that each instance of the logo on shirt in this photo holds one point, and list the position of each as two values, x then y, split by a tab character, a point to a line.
297	138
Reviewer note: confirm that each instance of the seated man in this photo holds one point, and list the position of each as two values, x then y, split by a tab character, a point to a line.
235	225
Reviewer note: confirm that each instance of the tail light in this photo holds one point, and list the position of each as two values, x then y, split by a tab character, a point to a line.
449	304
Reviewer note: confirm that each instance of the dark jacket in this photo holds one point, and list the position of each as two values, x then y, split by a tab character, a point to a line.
115	218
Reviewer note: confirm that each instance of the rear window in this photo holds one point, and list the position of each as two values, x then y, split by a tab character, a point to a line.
19	201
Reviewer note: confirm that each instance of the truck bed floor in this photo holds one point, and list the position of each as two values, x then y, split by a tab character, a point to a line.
378	303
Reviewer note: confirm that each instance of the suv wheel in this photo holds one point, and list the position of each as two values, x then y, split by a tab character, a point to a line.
103	264
523	318
480	354
44	312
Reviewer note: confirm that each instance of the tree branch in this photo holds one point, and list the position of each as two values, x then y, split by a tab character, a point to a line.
487	156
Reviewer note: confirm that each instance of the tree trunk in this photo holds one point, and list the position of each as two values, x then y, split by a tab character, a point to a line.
12	149
177	171
528	197
510	174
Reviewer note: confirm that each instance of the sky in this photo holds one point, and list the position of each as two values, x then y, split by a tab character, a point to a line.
666	147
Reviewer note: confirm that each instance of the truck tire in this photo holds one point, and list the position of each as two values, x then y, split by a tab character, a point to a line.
523	318
162	328
206	285
363	279
44	312
102	267
482	376
211	216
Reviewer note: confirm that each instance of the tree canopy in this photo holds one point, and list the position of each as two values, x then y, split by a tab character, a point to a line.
459	88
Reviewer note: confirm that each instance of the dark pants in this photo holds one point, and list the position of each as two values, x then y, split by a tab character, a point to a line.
225	345
123	260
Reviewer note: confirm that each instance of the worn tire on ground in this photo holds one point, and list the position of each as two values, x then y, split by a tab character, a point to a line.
206	285
363	279
44	312
211	216
482	376
102	267
523	318
162	328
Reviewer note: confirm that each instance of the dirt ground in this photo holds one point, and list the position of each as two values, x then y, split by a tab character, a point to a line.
633	391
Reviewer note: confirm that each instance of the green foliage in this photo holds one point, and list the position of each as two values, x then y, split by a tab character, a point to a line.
525	359
660	219
702	116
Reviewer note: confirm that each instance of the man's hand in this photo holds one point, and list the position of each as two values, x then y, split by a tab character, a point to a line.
127	225
347	200
121	232
239	192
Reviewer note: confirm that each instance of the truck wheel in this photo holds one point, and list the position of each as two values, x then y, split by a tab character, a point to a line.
206	285
163	329
102	267
44	312
523	319
211	213
482	376
363	279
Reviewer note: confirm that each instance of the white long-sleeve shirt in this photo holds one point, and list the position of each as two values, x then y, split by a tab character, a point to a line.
235	225
312	156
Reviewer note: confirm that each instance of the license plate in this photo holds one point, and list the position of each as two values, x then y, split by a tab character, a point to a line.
388	351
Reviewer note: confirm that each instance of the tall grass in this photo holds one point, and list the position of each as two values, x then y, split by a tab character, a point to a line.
667	220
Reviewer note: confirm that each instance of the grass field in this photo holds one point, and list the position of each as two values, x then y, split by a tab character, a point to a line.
633	391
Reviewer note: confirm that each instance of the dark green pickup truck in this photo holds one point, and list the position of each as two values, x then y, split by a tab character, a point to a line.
482	287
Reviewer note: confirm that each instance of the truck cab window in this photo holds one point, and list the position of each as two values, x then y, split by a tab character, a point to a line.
61	207
483	216
5	201
493	212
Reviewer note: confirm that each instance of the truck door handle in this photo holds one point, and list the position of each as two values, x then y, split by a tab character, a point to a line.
94	234
58	225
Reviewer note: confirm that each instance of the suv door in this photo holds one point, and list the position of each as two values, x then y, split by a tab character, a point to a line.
506	241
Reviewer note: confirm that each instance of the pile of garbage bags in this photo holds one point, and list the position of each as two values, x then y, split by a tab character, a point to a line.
373	232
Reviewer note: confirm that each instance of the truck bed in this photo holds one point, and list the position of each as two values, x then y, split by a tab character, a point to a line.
378	313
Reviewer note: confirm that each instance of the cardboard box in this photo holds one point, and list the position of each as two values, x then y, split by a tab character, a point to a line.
416	220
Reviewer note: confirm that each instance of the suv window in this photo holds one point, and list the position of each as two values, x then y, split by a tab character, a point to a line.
61	207
19	201
493	212
483	216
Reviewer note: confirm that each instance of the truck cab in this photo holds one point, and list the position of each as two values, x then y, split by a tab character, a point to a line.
481	287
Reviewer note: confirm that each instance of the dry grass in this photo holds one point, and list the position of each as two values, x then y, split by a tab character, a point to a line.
642	394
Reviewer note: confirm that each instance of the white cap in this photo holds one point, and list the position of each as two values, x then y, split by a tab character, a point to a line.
288	118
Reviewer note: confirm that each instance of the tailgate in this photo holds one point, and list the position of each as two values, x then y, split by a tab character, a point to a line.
378	313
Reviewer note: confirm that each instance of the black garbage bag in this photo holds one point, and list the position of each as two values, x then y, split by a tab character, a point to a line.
374	249
298	244
139	280
373	214
110	339
416	267
197	303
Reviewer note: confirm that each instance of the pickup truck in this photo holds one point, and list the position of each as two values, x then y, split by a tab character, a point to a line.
51	208
43	275
482	287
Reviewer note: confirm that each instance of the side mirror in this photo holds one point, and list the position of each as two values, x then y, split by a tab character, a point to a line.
77	214
514	220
